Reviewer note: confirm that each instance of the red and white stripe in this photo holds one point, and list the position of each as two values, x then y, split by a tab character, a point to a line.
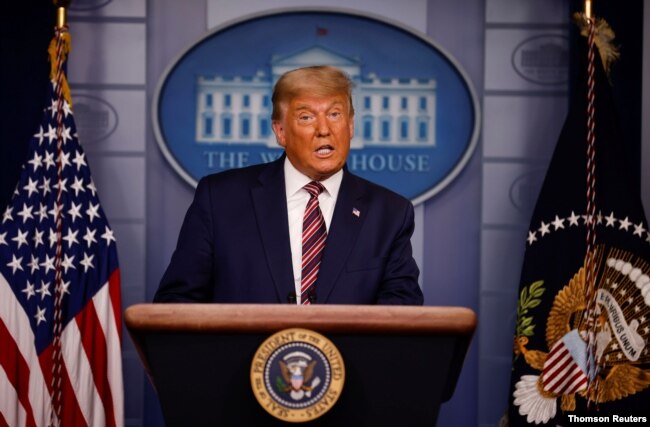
91	373
561	373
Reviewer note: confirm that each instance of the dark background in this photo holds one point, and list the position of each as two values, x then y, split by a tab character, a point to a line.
27	28
626	19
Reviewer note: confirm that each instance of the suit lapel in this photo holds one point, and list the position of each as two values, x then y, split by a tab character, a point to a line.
343	233
270	204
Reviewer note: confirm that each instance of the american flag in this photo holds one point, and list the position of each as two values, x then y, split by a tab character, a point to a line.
90	375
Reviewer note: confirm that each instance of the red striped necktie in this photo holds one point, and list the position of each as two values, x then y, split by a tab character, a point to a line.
314	234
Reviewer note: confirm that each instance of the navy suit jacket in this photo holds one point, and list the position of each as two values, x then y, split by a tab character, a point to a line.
234	244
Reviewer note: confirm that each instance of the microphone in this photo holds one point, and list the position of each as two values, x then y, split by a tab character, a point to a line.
291	298
311	296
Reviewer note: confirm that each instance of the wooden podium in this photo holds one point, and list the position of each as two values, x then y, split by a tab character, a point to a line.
401	362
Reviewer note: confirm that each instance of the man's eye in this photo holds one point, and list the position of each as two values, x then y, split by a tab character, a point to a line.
335	114
304	118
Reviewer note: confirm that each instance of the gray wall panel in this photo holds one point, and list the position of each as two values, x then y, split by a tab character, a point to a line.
494	380
120	183
526	12
113	8
107	53
131	251
497	320
410	11
502	254
522	126
509	192
133	379
526	60
110	120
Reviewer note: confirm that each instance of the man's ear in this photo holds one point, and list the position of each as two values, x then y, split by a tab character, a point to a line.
278	130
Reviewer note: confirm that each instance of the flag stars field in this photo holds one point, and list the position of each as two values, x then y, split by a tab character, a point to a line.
6	216
77	186
21	238
45	186
40	315
67	262
61	185
36	161
44	290
48	264
79	160
49	160
108	235
26	213
624	224
71	237
74	211
639	229
50	134
92	212
29	290
87	262
33	264
15	264
89	237
610	220
42	212
31	187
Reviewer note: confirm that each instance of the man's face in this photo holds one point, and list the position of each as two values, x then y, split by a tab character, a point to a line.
315	133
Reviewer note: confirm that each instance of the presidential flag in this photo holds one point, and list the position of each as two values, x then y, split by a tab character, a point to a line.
581	344
60	322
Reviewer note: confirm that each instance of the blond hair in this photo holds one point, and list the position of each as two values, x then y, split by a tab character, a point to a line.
318	80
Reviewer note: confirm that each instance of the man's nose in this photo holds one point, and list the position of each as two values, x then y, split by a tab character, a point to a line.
322	126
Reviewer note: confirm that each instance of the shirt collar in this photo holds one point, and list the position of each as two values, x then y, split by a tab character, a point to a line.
294	180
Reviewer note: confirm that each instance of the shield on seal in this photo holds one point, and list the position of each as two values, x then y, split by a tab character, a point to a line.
296	381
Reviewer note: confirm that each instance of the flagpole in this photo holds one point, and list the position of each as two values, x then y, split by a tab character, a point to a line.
58	59
590	265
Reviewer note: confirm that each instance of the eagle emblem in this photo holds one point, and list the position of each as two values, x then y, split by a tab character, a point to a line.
297	370
621	352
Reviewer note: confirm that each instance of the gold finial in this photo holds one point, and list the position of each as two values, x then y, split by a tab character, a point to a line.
61	6
588	9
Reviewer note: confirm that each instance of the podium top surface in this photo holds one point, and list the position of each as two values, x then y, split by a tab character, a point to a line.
326	318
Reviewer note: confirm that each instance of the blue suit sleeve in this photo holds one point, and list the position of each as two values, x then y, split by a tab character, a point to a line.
188	277
399	284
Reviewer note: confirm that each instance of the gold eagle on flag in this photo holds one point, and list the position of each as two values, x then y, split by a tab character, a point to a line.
623	304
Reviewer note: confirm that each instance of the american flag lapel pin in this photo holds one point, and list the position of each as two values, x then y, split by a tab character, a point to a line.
356	212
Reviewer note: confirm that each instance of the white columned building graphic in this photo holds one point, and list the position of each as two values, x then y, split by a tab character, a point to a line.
389	111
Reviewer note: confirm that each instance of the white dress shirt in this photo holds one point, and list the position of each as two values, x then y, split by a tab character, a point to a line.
297	198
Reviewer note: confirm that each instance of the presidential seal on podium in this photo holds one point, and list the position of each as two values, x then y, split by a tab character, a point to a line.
297	375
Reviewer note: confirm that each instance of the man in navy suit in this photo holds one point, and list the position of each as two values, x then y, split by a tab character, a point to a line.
243	240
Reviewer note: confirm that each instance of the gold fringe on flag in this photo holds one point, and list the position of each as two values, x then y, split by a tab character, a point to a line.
604	39
67	47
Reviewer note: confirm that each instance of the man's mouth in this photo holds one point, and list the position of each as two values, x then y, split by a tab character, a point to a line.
324	150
